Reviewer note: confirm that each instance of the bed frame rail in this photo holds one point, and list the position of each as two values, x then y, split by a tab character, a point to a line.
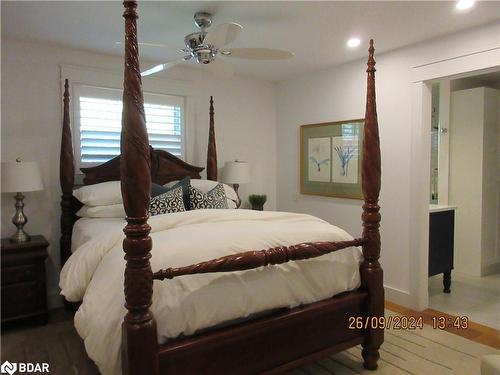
270	345
255	259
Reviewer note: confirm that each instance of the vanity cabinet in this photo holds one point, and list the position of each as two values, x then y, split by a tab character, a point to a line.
441	243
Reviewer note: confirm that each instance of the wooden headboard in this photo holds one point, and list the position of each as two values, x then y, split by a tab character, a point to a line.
164	167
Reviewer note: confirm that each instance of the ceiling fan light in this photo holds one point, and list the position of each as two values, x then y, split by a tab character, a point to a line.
353	42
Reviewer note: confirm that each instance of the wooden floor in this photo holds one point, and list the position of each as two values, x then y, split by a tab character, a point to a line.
58	342
475	332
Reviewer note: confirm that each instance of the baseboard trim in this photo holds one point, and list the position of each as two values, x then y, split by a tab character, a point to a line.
490	269
398	296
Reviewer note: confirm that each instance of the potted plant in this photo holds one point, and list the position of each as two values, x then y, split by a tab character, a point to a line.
257	201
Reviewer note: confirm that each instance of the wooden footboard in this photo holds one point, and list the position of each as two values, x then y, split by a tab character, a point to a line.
271	344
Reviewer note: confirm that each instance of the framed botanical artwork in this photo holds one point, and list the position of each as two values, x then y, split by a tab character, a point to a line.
330	159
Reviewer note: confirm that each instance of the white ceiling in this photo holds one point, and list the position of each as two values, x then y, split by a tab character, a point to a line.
315	31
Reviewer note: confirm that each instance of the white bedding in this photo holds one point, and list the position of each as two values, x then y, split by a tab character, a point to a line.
186	304
87	228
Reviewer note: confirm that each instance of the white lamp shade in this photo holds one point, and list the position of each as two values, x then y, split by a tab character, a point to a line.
236	172
20	177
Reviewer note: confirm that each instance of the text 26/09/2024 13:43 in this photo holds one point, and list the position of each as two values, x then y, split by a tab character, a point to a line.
408	322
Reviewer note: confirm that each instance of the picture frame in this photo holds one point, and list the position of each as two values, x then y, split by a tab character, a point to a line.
330	159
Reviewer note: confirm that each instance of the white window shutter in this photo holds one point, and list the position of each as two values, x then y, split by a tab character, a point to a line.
98	115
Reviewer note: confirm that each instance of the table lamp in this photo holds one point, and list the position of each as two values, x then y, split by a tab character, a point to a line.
236	173
20	177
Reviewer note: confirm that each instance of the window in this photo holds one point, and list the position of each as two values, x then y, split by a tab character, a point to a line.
98	120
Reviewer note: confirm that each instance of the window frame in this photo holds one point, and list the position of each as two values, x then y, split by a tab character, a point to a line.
82	89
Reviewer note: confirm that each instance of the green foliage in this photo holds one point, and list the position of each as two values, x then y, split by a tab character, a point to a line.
257	199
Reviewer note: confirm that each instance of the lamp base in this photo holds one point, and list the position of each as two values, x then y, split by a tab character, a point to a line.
20	236
19	220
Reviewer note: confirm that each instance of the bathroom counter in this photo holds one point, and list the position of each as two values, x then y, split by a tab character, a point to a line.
441	207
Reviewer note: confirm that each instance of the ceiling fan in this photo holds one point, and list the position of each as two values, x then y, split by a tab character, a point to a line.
205	47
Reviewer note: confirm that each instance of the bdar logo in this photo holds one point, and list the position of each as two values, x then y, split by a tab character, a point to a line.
8	368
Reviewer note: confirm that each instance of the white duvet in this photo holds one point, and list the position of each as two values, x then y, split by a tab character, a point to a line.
186	304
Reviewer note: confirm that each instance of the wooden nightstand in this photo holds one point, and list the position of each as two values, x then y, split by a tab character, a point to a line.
23	279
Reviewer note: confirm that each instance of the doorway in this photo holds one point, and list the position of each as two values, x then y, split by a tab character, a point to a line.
464	210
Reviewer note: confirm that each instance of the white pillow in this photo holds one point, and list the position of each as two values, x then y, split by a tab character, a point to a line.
112	210
103	194
206	185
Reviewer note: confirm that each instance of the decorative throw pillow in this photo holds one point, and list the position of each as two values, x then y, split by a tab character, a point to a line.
102	194
215	198
206	185
112	210
158	189
168	202
184	183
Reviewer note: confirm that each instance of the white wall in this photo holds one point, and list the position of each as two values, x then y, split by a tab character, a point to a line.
490	248
339	93
474	169
31	127
466	176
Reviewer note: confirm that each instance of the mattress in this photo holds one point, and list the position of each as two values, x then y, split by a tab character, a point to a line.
189	304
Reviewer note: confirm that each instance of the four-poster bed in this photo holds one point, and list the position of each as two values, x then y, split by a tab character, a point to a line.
272	343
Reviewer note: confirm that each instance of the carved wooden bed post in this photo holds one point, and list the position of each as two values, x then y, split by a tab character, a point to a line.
212	150
66	180
371	272
139	340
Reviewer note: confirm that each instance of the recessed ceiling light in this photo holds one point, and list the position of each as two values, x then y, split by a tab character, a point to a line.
464	4
353	42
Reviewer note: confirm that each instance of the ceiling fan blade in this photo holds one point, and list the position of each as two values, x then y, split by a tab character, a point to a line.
153	70
164	66
148	44
258	53
221	68
223	34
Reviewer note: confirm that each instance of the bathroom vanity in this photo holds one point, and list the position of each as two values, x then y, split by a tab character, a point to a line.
441	236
